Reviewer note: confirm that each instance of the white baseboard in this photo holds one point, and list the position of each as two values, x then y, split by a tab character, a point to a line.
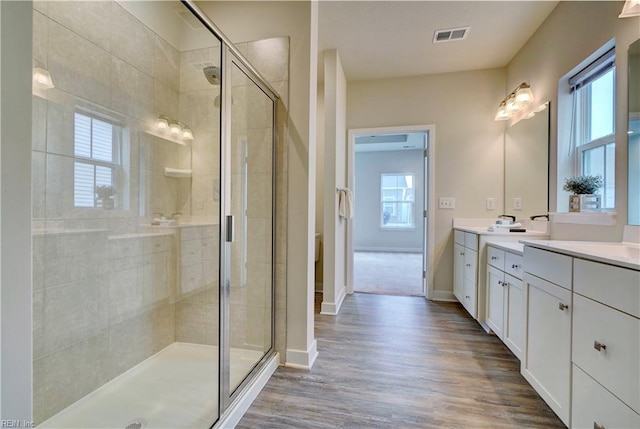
302	359
443	295
319	287
388	249
231	418
332	308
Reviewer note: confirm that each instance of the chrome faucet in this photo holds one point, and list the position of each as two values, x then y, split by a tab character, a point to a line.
513	218
546	216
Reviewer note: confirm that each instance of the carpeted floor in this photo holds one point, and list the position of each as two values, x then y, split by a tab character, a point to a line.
387	273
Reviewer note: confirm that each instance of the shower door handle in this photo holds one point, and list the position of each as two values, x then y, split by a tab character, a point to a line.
230	229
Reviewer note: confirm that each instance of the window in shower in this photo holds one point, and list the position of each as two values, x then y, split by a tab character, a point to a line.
97	155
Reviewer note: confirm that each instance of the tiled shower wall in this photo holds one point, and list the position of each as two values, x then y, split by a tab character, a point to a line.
104	285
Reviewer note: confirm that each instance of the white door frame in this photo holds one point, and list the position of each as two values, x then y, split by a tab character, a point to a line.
430	188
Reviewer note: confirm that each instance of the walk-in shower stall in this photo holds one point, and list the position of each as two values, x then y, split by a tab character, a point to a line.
153	217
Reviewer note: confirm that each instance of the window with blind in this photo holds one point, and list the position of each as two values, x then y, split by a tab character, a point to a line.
397	199
593	127
96	158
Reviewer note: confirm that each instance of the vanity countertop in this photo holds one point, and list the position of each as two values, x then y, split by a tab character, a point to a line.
517	248
503	231
625	255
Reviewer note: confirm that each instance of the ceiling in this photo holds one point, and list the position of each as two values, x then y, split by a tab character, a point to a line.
384	39
390	142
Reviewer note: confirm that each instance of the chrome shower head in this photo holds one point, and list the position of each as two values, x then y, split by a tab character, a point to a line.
212	73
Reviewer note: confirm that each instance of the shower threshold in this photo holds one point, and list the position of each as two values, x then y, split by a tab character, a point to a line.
175	388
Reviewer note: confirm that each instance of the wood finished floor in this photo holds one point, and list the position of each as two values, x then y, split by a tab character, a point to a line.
401	362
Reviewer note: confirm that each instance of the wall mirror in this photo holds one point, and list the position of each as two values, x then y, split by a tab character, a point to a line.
634	134
526	177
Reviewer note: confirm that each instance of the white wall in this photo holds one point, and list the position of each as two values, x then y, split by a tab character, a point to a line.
15	211
470	156
254	20
367	232
572	32
335	153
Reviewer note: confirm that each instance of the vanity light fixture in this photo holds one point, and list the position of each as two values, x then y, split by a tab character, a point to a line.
166	125
517	104
630	9
42	78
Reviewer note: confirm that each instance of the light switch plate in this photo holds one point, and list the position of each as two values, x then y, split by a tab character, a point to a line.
491	203
517	203
447	203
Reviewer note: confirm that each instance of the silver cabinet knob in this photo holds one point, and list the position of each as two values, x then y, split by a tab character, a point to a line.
597	426
562	306
515	266
599	346
467	297
493	258
461	253
468	265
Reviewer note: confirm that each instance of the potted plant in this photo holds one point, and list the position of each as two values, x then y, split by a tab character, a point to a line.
583	189
105	196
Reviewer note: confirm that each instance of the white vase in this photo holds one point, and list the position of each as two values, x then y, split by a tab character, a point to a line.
584	203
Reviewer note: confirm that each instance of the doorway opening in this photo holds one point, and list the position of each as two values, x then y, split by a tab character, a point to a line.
389	238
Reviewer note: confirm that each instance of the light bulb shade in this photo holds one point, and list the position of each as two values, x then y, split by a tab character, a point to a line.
630	9
42	78
187	134
524	94
175	129
162	123
502	114
512	104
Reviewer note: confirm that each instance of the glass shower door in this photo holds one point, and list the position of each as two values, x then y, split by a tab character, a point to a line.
249	228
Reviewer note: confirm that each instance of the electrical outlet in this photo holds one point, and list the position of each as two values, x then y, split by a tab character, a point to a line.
491	203
517	203
447	203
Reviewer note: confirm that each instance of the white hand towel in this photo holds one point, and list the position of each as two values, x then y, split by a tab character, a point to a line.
345	204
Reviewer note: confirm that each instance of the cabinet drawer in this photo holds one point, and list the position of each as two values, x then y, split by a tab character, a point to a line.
513	265
549	266
470	265
616	364
495	257
593	405
471	240
458	237
614	286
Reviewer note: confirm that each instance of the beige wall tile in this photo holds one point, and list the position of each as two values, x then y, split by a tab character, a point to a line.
89	19
131	90
131	40
40	39
166	63
271	58
79	67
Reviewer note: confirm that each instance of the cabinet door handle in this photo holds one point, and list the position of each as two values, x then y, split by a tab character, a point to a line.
468	265
461	253
515	266
597	426
599	346
562	306
493	258
467	297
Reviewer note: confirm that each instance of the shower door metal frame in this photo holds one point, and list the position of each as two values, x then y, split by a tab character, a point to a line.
226	397
231	55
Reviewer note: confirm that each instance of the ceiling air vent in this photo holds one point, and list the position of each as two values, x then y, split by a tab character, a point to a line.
450	35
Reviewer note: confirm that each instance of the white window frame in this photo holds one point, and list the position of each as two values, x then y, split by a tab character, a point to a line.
115	165
582	114
386	200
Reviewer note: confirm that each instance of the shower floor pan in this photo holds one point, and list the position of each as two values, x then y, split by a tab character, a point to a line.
175	388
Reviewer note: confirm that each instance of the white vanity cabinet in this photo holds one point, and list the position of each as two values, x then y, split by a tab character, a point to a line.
606	346
546	357
505	294
466	270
